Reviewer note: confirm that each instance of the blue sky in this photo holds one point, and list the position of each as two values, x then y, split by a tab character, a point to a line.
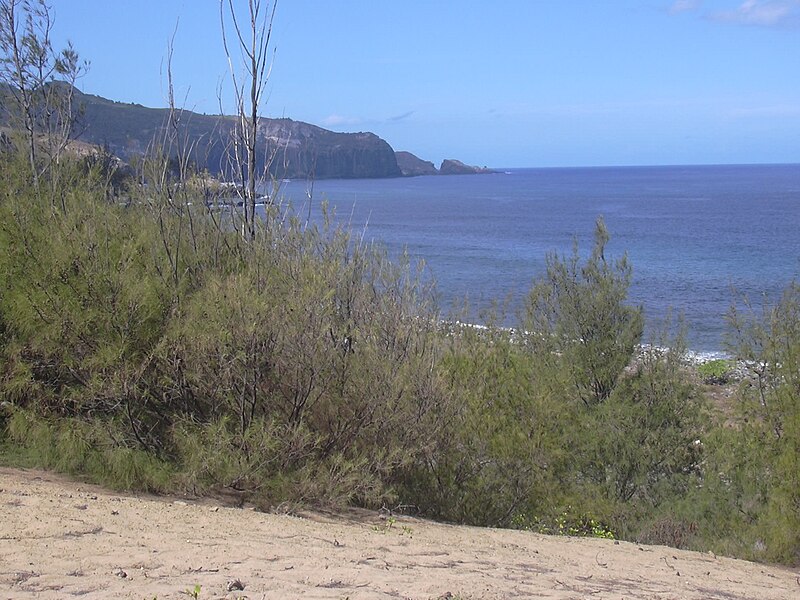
509	83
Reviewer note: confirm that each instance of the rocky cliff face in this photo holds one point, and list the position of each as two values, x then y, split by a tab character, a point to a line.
412	166
296	149
302	150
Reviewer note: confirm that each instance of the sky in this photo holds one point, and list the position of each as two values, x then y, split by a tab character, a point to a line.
507	83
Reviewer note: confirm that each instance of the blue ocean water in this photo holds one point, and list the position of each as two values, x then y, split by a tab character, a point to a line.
698	237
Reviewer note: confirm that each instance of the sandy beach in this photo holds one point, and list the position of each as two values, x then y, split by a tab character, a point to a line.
62	539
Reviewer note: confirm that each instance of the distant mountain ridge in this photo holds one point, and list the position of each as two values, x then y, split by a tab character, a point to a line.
297	150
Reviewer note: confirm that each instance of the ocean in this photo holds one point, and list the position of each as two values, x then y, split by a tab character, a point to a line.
698	237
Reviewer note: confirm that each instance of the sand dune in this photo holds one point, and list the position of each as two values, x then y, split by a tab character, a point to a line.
61	539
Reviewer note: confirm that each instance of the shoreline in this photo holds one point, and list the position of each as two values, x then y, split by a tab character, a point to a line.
693	357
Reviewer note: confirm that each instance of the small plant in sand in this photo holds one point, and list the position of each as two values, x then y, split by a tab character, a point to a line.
565	524
194	592
386	527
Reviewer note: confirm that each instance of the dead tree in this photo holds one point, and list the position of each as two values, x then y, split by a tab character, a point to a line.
252	39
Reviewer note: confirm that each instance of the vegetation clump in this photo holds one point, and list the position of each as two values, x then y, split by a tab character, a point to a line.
148	345
715	372
148	341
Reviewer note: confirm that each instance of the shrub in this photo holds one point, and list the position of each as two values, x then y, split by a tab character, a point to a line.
577	312
668	531
767	451
566	522
716	372
79	448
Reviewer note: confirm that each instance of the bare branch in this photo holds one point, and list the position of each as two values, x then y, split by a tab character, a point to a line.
253	45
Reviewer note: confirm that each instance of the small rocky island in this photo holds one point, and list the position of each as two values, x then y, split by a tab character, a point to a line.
456	167
412	166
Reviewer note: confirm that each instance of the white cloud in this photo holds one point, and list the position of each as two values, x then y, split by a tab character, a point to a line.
764	13
339	120
680	6
336	120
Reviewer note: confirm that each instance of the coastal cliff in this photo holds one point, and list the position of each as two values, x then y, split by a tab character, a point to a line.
297	149
293	149
412	166
303	150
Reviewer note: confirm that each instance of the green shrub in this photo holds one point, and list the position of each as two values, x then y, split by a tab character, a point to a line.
768	344
499	450
566	522
716	371
577	312
78	448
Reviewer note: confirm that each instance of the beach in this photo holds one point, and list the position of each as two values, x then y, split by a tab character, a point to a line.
62	539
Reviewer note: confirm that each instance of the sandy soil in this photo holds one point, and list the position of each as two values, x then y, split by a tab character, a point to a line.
61	539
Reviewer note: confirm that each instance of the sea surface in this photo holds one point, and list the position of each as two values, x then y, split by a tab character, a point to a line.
698	237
